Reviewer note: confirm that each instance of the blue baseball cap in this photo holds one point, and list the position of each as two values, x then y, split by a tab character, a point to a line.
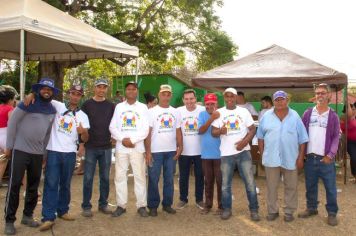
280	94
45	82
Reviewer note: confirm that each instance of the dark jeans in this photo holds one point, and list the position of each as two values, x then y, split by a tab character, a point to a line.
243	161
56	190
185	163
351	149
21	162
313	170
159	160
103	157
212	173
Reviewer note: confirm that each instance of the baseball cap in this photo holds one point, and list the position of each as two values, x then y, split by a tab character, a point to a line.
77	88
101	81
279	94
165	88
210	98
131	83
230	90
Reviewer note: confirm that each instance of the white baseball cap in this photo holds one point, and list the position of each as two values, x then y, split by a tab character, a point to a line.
230	90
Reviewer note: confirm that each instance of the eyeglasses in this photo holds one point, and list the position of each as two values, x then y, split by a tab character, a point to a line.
320	93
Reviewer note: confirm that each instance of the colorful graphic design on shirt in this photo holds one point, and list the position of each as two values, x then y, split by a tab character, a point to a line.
190	125
232	123
317	120
129	120
166	121
66	124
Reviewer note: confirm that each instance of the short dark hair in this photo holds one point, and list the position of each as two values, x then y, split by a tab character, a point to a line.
240	93
7	93
149	97
267	99
189	91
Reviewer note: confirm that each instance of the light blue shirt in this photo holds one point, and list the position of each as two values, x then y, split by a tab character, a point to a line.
281	139
210	146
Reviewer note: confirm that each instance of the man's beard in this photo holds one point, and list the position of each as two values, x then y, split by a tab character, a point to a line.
43	99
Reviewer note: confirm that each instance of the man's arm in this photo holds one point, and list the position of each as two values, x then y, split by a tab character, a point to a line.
300	159
16	117
147	143
261	146
208	123
247	139
179	138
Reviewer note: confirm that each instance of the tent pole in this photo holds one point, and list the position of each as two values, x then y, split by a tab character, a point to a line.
137	65
22	60
346	103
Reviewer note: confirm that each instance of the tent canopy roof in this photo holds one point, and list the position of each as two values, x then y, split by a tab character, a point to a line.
53	35
270	68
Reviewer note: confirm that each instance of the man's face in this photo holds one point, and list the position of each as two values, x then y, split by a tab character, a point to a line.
210	107
230	99
164	98
74	97
264	104
321	95
101	90
46	92
240	99
131	92
189	100
280	103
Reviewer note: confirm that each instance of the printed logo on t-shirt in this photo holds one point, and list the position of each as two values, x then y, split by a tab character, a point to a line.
166	121
190	125
129	120
232	123
318	121
66	124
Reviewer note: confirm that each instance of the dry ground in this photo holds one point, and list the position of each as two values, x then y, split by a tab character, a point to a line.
190	222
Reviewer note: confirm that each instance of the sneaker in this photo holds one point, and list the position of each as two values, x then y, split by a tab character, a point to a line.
169	210
272	216
152	212
205	211
332	220
226	214
181	205
142	211
218	211
105	210
29	221
118	212
200	205
255	216
307	213
288	217
87	213
9	229
67	217
46	225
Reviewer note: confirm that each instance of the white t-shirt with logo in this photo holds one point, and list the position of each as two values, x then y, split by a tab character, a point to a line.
164	123
190	130
64	135
317	132
237	122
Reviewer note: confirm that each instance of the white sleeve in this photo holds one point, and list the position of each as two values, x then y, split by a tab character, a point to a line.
143	130
84	120
58	105
249	119
217	122
114	128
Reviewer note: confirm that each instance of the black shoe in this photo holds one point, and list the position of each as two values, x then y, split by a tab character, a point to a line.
105	210
169	210
307	213
332	220
288	217
29	221
226	214
152	212
272	216
9	229
255	216
118	212
142	211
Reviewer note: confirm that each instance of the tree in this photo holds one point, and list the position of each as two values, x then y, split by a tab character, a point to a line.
167	32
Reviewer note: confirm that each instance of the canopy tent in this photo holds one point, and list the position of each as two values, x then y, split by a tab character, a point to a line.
34	30
271	68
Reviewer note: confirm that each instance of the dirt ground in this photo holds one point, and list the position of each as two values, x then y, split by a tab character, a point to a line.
190	222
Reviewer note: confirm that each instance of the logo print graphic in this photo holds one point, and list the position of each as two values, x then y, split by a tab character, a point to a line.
65	125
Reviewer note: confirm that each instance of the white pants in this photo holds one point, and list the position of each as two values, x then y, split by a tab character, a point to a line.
138	165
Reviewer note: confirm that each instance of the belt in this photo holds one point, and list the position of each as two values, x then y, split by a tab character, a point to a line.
313	155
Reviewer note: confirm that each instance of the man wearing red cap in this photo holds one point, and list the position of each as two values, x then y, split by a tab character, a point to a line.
210	153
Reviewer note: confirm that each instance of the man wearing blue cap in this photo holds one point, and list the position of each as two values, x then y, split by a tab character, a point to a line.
281	141
27	137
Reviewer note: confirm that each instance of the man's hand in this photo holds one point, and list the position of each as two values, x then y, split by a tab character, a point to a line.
148	158
240	145
176	156
30	98
80	129
127	143
215	115
223	129
8	153
81	150
300	163
327	160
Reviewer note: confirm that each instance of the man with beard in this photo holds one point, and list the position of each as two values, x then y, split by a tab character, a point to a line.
27	137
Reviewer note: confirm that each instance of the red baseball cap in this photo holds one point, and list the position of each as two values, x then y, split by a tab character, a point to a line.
77	88
210	98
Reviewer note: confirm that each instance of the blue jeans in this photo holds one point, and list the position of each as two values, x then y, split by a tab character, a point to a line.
160	159
103	156
184	171
244	164
313	170
56	190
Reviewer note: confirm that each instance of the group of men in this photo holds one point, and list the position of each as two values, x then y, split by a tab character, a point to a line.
215	141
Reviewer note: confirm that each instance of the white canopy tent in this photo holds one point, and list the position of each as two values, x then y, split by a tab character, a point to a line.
34	30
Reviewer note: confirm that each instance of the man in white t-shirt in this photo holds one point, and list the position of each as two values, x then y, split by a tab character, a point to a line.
61	157
241	102
235	127
129	127
163	146
189	114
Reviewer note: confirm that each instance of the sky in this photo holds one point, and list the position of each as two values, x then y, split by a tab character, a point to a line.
321	30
